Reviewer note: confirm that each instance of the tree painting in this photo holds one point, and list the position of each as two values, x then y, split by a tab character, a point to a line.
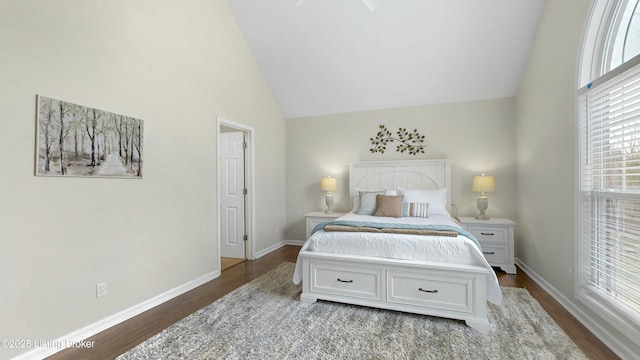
74	140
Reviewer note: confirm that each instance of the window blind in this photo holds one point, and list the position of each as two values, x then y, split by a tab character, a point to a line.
610	194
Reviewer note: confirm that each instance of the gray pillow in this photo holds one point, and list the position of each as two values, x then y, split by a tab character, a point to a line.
367	203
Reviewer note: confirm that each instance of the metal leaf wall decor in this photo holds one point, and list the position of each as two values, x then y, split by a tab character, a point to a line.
410	141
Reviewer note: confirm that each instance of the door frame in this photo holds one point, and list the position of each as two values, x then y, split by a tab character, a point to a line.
249	175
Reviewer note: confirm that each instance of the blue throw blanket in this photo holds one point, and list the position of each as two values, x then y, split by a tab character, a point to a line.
377	225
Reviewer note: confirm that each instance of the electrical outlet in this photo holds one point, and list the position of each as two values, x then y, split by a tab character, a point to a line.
101	289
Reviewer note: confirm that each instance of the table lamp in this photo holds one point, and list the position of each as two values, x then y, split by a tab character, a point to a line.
329	185
482	184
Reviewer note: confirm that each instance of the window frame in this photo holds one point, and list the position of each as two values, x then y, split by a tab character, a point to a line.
592	74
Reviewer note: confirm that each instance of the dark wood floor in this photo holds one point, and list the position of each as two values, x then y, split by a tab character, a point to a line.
120	338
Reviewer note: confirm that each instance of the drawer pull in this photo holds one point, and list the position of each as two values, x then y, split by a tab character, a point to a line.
428	291
345	281
489	252
487	234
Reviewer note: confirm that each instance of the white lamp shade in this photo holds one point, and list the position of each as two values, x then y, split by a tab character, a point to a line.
329	184
483	183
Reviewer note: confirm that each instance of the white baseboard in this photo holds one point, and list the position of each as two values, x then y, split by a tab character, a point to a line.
88	331
587	320
271	248
277	246
294	242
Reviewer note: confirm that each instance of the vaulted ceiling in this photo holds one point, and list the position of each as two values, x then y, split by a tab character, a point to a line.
335	56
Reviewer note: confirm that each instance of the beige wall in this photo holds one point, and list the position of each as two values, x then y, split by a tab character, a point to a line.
477	136
176	65
546	142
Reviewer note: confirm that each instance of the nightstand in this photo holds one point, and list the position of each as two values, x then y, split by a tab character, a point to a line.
318	217
496	236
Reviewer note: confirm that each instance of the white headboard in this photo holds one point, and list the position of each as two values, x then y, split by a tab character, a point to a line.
409	174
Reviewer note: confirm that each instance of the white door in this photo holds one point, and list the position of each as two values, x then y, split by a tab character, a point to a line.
232	212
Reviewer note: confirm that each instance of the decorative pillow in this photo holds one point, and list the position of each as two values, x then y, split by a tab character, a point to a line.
389	205
437	199
367	203
358	193
415	210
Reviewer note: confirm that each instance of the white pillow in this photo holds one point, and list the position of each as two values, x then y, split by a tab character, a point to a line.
437	199
357	194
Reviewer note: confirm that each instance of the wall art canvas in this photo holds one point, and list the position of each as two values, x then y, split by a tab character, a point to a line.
75	140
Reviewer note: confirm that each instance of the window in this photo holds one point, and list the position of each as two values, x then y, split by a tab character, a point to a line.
609	211
624	35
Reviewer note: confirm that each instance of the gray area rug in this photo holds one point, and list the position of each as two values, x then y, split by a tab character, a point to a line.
264	319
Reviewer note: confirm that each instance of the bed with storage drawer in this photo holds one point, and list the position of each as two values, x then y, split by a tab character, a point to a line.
399	249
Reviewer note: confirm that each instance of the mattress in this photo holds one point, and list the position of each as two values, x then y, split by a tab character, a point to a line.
441	249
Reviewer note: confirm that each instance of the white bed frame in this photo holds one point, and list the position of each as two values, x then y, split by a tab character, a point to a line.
429	288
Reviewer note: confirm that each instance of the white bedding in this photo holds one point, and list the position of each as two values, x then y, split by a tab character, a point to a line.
443	249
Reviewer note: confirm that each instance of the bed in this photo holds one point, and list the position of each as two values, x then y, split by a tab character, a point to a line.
424	265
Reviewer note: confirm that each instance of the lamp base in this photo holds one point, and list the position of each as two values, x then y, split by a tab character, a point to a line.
329	201
483	204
